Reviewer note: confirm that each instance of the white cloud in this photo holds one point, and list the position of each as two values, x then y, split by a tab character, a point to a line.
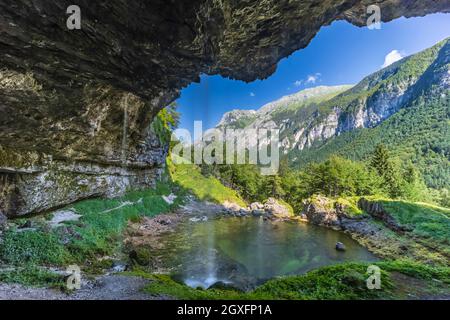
392	57
298	83
313	78
252	94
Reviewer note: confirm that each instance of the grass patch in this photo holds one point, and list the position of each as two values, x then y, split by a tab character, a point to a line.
164	285
204	188
32	276
417	270
425	221
32	247
339	282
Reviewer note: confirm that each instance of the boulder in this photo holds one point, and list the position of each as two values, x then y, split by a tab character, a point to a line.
256	206
277	208
231	206
340	246
119	266
244	212
320	211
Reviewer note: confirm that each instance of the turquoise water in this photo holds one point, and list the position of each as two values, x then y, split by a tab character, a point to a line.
245	252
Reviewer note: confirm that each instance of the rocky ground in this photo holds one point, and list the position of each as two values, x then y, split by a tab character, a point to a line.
107	287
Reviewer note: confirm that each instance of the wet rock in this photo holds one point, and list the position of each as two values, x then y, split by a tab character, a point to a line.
244	212
199	219
258	213
3	221
231	206
220	285
119	266
170	199
340	246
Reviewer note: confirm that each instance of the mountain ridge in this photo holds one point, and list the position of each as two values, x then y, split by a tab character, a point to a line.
312	127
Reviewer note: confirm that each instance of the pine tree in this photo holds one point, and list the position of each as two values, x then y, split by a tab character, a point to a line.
274	187
380	160
384	167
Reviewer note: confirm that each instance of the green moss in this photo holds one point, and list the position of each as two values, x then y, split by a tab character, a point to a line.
164	285
417	270
339	282
32	247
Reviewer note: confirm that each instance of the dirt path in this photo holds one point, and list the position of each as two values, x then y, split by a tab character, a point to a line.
108	287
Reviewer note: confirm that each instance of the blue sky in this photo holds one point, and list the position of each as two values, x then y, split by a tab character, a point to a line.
339	54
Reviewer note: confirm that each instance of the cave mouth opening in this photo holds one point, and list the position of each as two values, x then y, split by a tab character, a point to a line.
76	80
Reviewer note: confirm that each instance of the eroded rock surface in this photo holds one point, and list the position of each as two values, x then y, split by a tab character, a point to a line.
76	105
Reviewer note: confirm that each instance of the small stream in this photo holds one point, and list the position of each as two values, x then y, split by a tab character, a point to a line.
245	252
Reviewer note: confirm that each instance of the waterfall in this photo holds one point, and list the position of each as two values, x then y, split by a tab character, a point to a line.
211	267
124	130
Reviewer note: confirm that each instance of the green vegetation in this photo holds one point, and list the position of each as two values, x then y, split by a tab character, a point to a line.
297	110
32	247
345	281
418	135
431	224
32	276
97	234
204	188
165	122
104	220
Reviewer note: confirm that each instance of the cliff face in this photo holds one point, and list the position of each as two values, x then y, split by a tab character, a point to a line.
76	105
313	116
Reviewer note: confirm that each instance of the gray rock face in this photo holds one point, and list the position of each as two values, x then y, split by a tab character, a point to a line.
3	221
76	105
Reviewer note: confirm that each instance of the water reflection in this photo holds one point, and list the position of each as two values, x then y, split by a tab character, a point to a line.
245	252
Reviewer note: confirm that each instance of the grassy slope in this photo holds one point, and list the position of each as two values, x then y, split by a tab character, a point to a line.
204	188
428	224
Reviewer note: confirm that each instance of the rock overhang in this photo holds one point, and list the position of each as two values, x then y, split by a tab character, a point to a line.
62	91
